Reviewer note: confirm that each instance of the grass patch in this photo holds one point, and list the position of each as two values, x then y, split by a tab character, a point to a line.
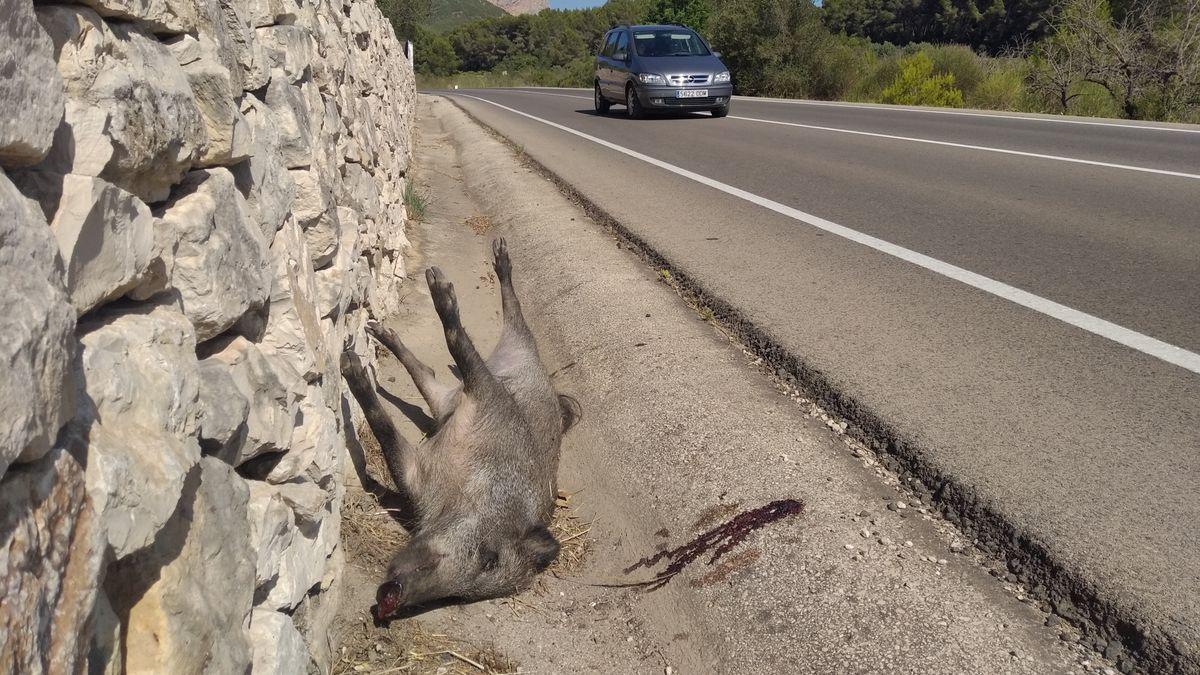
415	202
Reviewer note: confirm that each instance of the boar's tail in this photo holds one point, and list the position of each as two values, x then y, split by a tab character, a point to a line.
571	411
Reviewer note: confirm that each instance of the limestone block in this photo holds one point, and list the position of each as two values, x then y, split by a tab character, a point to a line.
37	343
293	328
31	90
241	42
277	646
316	446
289	48
308	501
334	49
335	283
323	237
51	550
217	96
106	654
315	616
140	379
198	579
273	390
291	110
154	125
265	13
272	528
106	238
304	563
360	21
314	197
263	180
211	252
359	191
223	410
164	17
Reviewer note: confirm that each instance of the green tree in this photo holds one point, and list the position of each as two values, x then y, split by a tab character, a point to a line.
692	13
993	26
434	54
406	15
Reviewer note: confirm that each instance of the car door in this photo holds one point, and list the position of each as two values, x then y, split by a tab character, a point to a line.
604	71
620	66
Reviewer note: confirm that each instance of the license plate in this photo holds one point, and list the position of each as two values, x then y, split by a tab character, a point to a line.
691	93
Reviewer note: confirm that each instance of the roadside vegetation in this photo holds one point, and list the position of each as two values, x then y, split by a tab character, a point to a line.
1137	59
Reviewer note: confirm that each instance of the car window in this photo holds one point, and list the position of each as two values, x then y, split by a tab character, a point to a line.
668	42
610	44
622	46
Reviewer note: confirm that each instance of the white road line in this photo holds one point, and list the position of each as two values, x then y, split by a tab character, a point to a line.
1106	329
965	113
984	148
911	139
545	93
939	111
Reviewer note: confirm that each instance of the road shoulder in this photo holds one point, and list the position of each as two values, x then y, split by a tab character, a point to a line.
681	432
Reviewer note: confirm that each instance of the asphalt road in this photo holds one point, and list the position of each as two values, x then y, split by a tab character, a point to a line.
1016	298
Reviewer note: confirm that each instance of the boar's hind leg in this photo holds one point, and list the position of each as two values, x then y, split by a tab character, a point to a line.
475	374
393	445
508	295
439	396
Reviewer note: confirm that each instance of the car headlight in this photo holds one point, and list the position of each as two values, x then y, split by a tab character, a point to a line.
651	78
721	76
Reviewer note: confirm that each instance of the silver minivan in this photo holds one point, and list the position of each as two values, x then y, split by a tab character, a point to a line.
662	67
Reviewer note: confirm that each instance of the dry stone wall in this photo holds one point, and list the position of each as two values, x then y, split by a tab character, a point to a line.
201	202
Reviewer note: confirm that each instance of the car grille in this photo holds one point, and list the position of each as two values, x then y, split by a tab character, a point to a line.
707	100
680	80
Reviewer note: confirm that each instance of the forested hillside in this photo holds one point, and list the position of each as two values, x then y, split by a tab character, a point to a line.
445	15
1118	58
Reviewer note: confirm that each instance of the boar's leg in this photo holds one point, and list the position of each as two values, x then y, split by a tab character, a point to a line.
508	295
475	374
439	396
394	446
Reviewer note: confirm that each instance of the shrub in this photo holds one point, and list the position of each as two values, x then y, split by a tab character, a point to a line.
918	85
882	73
1002	87
959	61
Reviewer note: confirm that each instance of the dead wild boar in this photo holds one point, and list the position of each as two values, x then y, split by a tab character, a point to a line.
483	484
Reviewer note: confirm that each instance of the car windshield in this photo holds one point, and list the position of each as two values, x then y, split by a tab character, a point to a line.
668	42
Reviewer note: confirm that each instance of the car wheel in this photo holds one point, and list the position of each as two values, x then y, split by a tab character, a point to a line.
721	112
632	105
601	103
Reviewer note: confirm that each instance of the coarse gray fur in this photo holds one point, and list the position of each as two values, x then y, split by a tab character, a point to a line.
484	483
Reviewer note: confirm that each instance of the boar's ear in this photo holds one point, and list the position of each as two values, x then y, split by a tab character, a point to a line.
539	546
489	558
571	411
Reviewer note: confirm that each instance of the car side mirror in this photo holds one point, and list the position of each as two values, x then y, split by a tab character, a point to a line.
716	54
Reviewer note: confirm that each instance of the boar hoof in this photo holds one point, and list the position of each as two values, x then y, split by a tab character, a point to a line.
443	293
503	264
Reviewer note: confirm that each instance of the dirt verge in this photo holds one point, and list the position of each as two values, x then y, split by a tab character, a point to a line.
827	563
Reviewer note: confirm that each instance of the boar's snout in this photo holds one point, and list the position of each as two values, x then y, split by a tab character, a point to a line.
388	599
